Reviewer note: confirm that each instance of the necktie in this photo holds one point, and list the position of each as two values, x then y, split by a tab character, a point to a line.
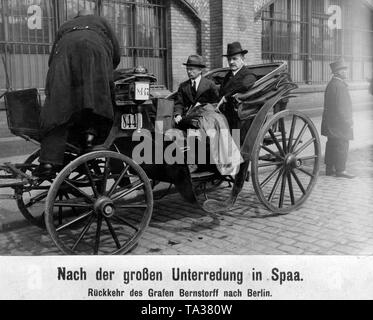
194	89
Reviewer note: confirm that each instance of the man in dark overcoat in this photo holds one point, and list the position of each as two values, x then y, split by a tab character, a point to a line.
196	101
238	80
79	86
196	90
337	122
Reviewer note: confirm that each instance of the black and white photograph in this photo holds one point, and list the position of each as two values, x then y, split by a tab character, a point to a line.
189	137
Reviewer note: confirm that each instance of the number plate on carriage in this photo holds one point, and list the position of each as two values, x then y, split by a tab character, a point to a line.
142	91
132	121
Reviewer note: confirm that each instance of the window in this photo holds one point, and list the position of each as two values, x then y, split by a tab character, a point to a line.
297	31
141	28
28	28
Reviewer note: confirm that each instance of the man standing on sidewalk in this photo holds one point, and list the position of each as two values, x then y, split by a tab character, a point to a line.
337	122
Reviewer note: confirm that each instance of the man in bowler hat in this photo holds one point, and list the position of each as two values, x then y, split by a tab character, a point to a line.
238	80
195	91
337	122
195	107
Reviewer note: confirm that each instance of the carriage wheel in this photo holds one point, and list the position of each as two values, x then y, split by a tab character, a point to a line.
31	199
285	161
107	206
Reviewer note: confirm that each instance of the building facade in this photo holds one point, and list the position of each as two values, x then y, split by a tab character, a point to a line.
160	34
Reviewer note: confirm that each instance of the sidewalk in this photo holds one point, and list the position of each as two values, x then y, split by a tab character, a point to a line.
11	218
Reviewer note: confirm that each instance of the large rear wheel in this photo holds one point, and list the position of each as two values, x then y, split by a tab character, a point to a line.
285	161
105	207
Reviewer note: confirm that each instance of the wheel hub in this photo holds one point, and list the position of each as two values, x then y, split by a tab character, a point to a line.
105	207
293	162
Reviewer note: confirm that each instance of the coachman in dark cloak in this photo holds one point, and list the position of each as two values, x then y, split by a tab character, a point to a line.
79	87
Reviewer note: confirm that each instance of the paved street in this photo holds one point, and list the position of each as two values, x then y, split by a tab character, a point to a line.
337	219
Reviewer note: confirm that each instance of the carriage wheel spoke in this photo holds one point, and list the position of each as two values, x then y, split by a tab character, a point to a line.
126	223
78	191
122	175
113	233
270	177
298	182
275	187
306	172
72	205
275	140
291	136
272	152
283	188
134	206
305	146
83	233
36	199
283	134
92	182
60	197
70	223
308	158
106	175
98	235
127	192
270	164
300	136
291	191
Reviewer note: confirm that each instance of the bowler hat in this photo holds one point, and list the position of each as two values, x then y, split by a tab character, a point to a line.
234	48
338	65
195	60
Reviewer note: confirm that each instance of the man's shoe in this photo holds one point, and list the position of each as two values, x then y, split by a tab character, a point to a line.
45	171
345	174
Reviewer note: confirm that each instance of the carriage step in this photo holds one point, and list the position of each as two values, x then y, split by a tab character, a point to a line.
203	175
12	183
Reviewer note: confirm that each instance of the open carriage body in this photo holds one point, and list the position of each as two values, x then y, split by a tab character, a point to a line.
102	201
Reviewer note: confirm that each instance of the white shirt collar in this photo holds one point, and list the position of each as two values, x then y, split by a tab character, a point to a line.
235	72
197	80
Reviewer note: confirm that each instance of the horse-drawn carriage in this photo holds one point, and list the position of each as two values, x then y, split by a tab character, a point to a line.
101	202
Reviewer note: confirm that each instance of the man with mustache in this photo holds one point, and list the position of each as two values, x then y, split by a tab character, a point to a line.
238	80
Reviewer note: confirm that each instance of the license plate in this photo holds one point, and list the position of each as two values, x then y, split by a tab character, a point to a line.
142	91
132	121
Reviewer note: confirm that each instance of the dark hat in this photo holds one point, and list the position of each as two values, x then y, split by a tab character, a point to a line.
338	65
234	48
195	60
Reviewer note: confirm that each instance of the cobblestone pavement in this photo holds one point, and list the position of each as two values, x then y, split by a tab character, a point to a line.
337	219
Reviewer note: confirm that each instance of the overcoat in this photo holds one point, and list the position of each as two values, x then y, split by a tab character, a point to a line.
207	92
80	75
240	83
232	84
337	120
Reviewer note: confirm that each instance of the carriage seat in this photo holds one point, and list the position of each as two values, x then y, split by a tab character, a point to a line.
249	103
23	113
